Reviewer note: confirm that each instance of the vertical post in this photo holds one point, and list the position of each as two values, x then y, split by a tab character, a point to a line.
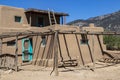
1	46
93	50
64	21
1	51
49	17
16	54
30	20
56	53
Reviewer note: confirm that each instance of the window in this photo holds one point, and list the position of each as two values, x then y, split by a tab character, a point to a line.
84	39
40	22
43	42
18	19
11	43
26	44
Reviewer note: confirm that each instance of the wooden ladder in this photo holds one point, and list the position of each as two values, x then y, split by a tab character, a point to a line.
52	19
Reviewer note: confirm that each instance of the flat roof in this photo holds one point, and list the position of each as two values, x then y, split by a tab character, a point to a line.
45	12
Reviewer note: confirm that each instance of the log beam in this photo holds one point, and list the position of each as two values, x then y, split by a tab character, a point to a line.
56	53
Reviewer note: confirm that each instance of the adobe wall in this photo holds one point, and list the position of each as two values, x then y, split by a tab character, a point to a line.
70	47
11	49
42	53
7	17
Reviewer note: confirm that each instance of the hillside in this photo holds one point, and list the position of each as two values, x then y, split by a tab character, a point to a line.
109	21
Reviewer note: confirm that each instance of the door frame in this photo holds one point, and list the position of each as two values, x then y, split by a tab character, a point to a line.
30	49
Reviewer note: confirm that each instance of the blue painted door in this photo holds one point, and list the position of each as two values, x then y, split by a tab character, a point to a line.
27	51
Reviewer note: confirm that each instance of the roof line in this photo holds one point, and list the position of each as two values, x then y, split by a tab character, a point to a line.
45	11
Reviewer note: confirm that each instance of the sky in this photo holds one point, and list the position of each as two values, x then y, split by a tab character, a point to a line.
77	9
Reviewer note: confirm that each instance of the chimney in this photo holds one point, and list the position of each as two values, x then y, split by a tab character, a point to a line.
91	25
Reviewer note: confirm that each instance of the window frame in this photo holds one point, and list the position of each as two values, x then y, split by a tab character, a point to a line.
43	41
11	43
84	40
18	19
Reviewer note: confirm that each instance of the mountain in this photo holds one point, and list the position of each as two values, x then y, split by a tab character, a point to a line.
109	21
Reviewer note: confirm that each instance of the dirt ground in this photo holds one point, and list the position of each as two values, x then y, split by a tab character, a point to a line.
101	72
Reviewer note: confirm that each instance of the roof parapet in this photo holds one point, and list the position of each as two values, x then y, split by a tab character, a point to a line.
91	25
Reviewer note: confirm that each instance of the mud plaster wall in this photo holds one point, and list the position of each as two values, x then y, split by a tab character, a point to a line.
42	53
7	18
70	48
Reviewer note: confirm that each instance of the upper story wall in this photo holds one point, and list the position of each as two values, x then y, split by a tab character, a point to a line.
8	15
11	17
39	19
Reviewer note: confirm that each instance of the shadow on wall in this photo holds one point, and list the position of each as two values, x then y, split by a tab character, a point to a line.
42	54
80	54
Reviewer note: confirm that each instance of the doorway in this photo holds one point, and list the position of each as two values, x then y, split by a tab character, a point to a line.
27	50
40	22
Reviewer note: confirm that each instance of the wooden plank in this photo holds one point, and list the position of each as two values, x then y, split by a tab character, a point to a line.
56	53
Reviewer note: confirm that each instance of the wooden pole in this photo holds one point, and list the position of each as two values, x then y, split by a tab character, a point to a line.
0	51
49	17
56	53
1	46
30	19
16	55
64	20
93	50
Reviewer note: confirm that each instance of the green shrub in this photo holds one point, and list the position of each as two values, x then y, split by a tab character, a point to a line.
112	42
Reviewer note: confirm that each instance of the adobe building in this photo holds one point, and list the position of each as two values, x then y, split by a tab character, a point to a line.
74	47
